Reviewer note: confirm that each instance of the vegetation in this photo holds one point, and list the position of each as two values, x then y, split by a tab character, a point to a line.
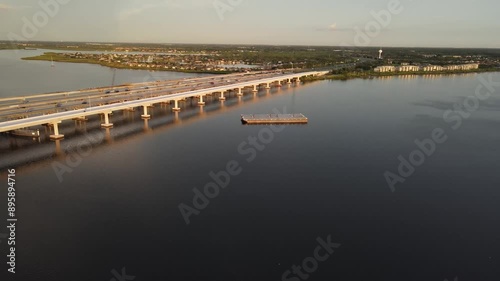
346	62
57	57
348	75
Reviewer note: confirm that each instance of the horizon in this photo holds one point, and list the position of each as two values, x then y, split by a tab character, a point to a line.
250	45
378	23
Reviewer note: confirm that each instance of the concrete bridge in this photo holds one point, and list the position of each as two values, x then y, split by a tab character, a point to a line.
54	119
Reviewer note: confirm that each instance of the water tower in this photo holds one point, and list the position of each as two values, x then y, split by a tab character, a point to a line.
380	54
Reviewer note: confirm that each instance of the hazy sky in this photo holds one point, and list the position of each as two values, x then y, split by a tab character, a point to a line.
421	23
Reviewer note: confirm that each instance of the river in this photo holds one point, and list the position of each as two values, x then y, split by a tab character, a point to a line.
115	204
19	78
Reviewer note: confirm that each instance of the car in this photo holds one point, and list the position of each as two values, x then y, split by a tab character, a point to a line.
107	92
85	102
29	110
59	105
127	90
117	91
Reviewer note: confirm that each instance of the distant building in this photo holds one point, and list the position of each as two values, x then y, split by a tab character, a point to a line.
432	68
427	68
385	68
408	68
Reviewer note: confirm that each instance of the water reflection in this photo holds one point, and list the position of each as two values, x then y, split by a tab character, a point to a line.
126	126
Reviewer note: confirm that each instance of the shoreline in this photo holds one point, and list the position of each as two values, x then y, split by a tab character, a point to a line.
372	74
57	58
49	56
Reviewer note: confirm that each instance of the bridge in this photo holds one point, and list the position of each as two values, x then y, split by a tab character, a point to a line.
52	109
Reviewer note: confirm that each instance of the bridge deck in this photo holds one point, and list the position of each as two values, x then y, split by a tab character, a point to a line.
42	113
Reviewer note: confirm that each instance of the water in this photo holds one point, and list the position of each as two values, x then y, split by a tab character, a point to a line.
18	77
119	207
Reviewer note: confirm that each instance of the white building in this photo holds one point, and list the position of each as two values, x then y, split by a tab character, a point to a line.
385	68
432	68
408	68
428	68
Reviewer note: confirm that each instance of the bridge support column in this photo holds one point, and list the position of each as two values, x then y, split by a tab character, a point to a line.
279	84
268	86
176	107
255	89
240	93
145	115
56	135
201	102
298	80
222	97
106	121
289	81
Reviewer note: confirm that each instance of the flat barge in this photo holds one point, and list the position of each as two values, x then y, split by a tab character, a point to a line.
254	119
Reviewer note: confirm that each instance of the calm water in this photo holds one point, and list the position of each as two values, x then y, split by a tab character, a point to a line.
18	77
118	208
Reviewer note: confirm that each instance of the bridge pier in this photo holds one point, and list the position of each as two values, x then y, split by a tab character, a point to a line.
222	97
255	89
56	135
176	107
268	86
298	80
279	83
145	115
146	125
240	93
201	102
106	121
289	81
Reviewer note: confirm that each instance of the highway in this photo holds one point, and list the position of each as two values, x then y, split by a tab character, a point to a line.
36	105
83	103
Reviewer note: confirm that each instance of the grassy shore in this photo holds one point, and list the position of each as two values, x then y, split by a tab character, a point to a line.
49	56
372	74
57	57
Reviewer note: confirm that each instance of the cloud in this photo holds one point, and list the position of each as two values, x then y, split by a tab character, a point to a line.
333	28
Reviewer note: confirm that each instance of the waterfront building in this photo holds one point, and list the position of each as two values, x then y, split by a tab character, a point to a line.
429	68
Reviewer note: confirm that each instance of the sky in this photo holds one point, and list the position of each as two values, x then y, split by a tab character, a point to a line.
384	23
